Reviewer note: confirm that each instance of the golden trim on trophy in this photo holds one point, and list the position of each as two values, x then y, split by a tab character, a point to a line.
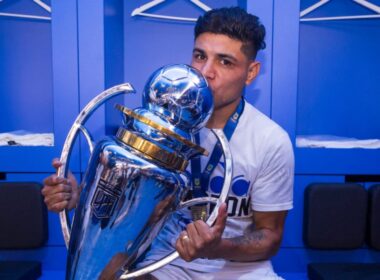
159	127
169	160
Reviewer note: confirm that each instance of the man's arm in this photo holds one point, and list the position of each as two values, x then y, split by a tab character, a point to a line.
260	241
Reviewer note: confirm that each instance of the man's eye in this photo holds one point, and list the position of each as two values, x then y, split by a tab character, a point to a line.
226	62
199	56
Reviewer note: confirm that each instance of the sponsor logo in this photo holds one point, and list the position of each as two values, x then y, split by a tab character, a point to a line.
238	201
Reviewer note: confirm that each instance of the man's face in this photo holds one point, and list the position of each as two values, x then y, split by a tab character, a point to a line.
226	68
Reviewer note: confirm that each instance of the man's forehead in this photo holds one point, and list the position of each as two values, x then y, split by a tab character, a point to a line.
218	44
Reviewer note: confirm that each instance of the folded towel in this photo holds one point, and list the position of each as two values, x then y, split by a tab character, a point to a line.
23	138
332	141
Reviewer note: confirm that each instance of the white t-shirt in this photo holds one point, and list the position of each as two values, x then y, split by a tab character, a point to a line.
263	167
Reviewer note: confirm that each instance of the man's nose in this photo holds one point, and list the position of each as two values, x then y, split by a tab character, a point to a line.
208	70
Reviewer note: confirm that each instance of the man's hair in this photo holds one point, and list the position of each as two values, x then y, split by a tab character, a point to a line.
235	23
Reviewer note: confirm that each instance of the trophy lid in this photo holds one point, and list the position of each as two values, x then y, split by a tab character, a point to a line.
180	95
176	104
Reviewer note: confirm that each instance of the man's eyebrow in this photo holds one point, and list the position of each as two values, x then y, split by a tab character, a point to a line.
220	55
198	50
223	55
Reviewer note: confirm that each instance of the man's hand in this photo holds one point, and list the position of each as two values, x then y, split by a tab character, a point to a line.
60	193
199	240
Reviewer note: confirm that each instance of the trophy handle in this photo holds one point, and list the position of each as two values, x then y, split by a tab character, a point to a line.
72	135
210	221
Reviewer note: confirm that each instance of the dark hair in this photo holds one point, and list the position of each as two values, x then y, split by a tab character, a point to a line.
236	24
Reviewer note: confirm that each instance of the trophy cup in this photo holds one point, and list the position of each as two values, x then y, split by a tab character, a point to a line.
135	179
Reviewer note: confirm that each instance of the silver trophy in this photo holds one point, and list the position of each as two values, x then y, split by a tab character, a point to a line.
135	179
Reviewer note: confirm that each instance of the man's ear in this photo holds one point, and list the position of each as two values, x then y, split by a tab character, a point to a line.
253	71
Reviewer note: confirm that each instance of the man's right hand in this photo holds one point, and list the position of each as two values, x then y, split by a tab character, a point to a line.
60	193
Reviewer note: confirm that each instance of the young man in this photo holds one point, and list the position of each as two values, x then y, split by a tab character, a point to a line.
249	229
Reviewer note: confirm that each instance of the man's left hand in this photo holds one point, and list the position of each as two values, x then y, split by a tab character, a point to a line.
200	240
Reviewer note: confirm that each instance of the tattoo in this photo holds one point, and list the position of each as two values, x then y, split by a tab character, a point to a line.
251	235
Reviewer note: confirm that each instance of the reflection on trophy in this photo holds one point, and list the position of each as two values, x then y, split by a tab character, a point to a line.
138	177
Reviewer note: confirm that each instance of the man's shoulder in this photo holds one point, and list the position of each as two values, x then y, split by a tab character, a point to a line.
259	124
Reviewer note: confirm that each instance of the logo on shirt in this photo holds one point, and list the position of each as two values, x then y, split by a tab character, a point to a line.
238	200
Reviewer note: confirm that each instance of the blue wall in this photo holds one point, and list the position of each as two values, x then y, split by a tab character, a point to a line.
338	91
317	78
26	71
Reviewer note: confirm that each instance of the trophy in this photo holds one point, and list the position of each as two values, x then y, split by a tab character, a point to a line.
136	178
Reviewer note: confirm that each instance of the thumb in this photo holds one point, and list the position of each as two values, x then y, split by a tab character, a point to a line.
221	220
56	163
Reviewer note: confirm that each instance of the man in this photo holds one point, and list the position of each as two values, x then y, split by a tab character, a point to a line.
240	246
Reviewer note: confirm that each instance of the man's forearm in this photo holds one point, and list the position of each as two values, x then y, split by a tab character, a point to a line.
255	245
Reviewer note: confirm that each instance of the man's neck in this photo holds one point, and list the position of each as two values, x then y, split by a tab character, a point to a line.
221	115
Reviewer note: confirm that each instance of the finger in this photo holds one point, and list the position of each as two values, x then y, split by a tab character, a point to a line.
53	180
184	237
201	237
201	227
200	234
192	230
58	207
56	163
182	244
57	199
221	220
51	190
192	239
180	249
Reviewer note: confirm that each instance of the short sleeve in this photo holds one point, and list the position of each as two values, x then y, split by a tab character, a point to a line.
273	188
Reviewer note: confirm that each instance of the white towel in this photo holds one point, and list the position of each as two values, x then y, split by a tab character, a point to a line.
23	138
